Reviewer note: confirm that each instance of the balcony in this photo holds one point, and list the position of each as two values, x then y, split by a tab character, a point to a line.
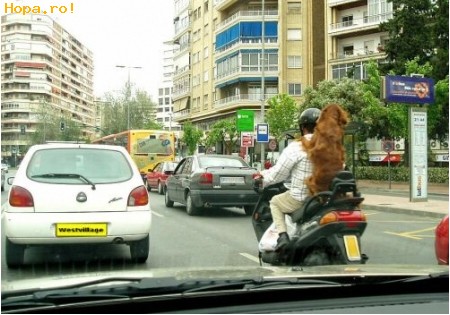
357	54
246	73
240	100
271	42
181	114
220	5
248	15
359	25
345	3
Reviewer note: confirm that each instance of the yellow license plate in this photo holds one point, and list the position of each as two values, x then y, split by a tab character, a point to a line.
81	230
352	247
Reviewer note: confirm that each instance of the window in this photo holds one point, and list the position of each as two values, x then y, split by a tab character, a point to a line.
347	20
205	101
206	76
206	52
294	34
294	61
294	89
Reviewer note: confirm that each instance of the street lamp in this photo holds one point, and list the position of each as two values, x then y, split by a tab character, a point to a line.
128	91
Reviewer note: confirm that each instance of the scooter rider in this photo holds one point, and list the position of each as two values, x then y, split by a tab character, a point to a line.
293	163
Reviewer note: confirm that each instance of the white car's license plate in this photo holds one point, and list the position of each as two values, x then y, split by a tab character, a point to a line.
232	180
81	230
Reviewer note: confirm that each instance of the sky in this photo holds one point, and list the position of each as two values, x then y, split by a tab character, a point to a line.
118	32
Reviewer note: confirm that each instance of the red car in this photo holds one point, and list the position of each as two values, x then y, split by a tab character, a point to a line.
156	178
441	241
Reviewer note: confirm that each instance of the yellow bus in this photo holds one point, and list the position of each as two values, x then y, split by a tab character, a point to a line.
146	147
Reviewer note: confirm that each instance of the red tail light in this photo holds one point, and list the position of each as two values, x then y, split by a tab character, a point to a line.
20	197
138	197
206	178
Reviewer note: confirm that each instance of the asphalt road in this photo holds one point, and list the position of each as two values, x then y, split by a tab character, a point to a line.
221	237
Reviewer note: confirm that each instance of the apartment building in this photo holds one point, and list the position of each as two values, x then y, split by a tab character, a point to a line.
218	61
164	107
42	63
353	36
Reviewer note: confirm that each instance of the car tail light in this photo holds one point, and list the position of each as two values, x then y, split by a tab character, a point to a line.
138	197
20	197
206	178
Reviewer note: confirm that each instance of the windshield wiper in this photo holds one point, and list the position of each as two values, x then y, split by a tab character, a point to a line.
65	175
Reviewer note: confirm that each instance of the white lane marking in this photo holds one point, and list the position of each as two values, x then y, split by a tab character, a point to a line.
251	257
157	214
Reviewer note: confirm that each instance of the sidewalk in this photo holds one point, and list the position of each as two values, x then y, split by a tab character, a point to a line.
379	196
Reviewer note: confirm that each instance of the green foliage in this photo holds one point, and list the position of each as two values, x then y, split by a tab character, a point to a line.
399	174
281	115
48	126
223	131
140	109
418	29
191	137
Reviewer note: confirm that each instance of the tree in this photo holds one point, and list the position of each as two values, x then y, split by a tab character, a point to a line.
48	127
281	115
418	29
364	108
141	111
223	131
191	136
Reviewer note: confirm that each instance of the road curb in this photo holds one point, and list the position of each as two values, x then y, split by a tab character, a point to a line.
387	208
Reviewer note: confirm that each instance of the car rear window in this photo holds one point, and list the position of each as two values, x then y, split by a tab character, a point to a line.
208	161
98	166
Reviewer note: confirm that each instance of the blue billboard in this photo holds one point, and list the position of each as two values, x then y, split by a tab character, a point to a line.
402	89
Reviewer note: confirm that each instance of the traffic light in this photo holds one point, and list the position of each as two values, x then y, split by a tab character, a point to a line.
62	125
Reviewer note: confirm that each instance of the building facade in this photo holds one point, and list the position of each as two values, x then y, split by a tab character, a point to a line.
353	36
42	65
164	107
234	54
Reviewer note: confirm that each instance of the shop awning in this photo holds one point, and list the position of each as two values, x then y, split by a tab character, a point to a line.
181	104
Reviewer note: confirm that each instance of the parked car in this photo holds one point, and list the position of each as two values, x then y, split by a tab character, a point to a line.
5	167
441	241
206	181
156	178
76	194
3	179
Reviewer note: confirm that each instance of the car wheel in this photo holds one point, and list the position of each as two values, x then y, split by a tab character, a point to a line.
191	209
249	210
160	188
14	254
168	202
139	250
148	186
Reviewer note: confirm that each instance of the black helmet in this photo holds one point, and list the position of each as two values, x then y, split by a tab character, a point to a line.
308	118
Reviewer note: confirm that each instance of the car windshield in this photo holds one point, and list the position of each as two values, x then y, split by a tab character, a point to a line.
99	166
222	146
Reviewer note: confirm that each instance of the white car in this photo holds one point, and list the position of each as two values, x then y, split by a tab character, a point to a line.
77	194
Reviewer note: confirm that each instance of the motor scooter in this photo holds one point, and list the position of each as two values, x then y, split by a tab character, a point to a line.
329	225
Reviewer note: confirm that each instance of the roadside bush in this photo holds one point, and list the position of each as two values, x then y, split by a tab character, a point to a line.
399	174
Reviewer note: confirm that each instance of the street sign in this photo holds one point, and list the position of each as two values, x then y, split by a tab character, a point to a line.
388	145
262	132
247	140
245	120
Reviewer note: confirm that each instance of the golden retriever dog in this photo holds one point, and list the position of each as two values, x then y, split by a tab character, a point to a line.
326	149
